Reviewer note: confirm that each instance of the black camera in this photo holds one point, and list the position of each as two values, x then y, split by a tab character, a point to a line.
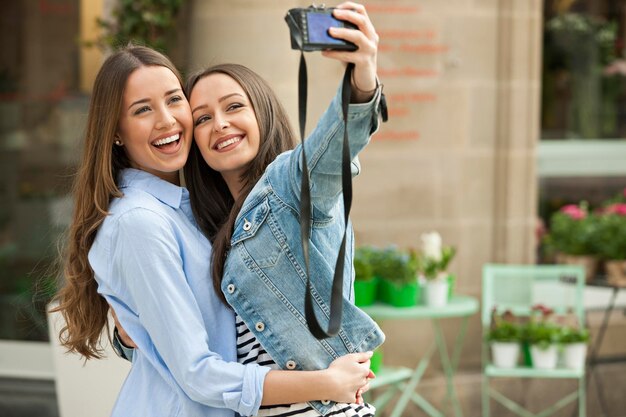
309	26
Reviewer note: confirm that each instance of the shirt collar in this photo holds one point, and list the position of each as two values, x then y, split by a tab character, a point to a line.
162	190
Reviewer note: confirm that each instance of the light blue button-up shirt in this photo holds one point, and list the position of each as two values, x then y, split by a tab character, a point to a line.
152	265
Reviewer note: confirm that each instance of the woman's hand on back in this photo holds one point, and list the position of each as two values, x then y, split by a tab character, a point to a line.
365	57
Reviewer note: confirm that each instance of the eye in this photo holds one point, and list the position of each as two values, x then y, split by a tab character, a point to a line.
175	99
202	119
141	110
234	106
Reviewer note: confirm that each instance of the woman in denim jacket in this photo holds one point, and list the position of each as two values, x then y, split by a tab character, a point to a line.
243	168
133	243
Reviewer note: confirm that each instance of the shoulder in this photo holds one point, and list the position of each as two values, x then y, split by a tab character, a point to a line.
138	211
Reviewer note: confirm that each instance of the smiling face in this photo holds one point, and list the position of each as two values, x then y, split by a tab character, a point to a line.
225	127
155	124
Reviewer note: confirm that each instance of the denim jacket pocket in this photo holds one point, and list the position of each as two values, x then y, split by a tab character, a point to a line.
257	223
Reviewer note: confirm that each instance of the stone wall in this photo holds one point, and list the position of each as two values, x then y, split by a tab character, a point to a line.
457	156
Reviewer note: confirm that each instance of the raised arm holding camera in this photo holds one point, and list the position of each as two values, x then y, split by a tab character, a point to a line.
243	168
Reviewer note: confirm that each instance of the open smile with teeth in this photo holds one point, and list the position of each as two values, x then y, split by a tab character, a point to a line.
167	140
229	142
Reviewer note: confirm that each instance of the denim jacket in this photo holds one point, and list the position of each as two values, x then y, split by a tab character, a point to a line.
265	279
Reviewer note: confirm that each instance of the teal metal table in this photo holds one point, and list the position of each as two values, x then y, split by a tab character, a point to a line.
406	380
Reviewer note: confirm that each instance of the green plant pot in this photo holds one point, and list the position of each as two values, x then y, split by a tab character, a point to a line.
528	360
383	291
376	361
365	292
451	284
405	295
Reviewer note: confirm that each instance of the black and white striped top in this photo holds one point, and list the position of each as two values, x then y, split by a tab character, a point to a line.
249	350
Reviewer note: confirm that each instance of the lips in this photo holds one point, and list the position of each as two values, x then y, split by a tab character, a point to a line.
167	140
229	141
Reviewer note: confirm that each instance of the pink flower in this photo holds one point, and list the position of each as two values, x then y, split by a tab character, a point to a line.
574	212
617	208
616	67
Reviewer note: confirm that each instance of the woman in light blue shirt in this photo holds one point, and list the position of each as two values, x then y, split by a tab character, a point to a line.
133	243
243	168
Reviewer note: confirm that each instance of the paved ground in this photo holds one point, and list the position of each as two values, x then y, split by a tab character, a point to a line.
26	398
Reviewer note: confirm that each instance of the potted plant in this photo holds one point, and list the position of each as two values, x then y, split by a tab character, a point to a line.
432	267
504	338
365	282
397	273
542	336
376	361
611	241
572	235
574	341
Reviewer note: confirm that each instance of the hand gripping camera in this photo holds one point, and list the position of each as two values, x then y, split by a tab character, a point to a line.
309	29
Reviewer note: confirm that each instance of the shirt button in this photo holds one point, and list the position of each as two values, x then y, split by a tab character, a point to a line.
230	288
246	225
260	326
291	365
325	402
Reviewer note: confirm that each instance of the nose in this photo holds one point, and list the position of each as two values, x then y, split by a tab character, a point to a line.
220	123
166	120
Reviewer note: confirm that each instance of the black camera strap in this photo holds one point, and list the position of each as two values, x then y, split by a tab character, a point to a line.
336	301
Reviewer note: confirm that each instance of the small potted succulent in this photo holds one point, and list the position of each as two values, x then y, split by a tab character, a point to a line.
504	337
432	268
574	340
365	282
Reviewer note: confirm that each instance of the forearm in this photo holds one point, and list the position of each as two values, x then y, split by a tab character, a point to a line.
289	387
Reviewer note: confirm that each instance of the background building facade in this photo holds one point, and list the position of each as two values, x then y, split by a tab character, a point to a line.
463	152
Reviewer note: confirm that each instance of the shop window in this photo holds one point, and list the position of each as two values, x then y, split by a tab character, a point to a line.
42	116
582	151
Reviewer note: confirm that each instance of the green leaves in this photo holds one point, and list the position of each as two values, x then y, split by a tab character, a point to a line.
146	22
390	264
611	236
569	335
505	331
571	233
430	268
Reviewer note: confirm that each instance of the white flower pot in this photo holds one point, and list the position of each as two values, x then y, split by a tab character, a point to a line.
544	358
505	354
575	355
436	292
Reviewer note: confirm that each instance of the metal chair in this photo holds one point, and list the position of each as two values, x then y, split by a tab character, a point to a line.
518	288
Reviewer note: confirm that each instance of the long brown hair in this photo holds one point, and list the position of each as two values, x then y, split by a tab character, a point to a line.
211	201
95	185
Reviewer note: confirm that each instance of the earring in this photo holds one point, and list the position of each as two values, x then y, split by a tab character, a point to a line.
118	142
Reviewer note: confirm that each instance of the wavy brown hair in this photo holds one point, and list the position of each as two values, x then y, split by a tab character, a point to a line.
95	185
213	205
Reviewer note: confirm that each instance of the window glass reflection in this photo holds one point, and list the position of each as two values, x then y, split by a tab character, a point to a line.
42	116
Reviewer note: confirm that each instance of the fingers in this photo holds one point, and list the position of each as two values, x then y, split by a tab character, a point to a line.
359	397
364	388
114	315
361	357
125	338
356	14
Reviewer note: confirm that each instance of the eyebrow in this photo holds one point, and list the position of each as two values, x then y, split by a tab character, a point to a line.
220	100
146	100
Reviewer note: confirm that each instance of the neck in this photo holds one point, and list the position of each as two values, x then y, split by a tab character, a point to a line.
233	183
174	178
